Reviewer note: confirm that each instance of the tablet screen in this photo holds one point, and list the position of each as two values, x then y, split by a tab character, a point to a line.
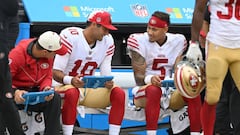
96	81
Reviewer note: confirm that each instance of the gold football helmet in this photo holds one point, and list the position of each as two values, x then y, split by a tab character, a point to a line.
189	78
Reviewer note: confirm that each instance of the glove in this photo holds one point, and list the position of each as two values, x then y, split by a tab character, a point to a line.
194	53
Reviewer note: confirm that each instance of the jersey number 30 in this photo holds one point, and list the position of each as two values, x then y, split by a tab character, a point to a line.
230	8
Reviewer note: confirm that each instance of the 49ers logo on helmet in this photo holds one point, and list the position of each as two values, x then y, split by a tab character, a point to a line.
193	81
188	79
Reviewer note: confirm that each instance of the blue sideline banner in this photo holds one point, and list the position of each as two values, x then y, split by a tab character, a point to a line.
123	11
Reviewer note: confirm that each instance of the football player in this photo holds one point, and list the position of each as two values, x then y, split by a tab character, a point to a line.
88	49
154	55
222	51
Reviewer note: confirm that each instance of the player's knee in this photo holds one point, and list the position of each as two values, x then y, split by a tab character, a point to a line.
153	93
120	94
153	90
72	94
212	99
176	101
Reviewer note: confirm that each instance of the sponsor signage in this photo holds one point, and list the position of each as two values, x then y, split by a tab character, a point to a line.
123	11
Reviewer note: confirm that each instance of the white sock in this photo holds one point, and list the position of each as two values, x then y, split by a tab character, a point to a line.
114	129
151	132
195	133
67	129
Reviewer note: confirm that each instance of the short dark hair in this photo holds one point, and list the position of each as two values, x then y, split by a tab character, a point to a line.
88	23
163	16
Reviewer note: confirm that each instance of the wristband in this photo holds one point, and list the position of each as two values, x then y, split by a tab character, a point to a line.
194	42
203	34
67	79
148	78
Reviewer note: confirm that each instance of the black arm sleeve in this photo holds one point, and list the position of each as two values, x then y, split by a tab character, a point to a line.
207	15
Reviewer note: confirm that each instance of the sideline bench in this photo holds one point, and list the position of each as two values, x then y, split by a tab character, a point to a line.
96	120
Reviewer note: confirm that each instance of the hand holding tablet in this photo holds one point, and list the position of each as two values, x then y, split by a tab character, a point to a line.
95	81
32	98
167	83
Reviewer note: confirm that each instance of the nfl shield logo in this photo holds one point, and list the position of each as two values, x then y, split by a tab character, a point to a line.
139	10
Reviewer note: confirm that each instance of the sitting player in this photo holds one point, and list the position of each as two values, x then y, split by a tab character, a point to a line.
88	49
154	54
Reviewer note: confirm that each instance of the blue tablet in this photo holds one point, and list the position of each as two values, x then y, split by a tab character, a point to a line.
167	83
96	81
33	98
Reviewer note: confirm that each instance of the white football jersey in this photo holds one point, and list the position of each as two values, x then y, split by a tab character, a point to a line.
81	58
159	59
225	23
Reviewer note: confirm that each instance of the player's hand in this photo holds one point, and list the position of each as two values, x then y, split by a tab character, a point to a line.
155	80
109	84
49	97
194	53
47	88
18	96
77	81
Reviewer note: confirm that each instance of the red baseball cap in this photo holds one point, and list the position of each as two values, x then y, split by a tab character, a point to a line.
103	18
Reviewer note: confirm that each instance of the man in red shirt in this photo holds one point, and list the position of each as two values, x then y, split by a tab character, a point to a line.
31	64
